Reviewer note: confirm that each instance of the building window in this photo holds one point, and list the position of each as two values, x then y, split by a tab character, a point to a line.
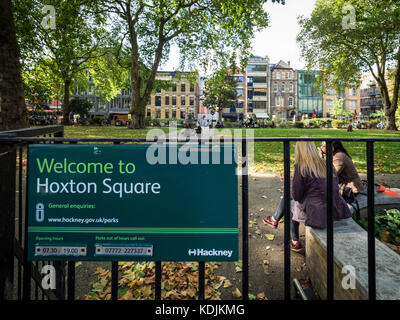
167	100
291	87
290	101
258	67
239	92
158	90
174	114
329	104
277	101
288	75
260	92
251	68
275	87
354	92
158	114
260	104
183	87
166	114
191	100
191	88
174	100
352	105
283	87
149	112
158	101
278	75
239	79
174	88
182	114
260	79
183	100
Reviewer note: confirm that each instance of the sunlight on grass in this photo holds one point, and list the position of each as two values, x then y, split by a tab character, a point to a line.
268	156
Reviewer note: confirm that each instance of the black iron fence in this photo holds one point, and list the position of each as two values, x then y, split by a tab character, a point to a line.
12	145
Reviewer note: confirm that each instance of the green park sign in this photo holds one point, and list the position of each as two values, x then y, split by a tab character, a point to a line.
127	202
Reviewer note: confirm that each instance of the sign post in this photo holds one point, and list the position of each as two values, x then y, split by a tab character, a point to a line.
110	203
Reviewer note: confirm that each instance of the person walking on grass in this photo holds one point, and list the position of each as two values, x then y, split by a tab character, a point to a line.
308	191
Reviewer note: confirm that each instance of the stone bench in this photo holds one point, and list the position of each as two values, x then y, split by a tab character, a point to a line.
351	248
381	200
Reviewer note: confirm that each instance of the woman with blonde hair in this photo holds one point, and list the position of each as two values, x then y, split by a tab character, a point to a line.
308	191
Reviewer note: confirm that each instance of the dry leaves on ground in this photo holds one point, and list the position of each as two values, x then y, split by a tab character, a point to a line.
179	281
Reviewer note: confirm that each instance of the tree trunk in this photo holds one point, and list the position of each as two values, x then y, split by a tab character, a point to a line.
13	114
138	115
67	85
390	114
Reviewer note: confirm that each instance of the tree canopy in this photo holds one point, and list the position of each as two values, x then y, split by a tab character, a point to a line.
220	90
148	29
347	38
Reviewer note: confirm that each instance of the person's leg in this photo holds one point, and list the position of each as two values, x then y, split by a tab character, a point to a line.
294	230
279	213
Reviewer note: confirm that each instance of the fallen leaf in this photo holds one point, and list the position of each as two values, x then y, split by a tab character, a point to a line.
264	196
261	296
270	236
252	297
236	293
262	209
227	284
385	235
266	262
268	247
78	263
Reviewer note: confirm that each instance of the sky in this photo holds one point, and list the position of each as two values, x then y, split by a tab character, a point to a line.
278	41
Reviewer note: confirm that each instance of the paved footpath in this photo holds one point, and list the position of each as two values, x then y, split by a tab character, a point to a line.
265	191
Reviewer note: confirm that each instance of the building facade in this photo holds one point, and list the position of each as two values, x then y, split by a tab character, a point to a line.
180	101
309	98
370	96
350	96
253	90
283	90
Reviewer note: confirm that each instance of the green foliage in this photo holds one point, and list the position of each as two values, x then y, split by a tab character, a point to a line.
343	50
147	121
339	124
379	114
338	110
385	221
372	124
41	85
79	106
220	89
203	30
78	48
298	124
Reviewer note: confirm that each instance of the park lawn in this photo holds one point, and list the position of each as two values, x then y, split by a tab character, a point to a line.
268	156
104	132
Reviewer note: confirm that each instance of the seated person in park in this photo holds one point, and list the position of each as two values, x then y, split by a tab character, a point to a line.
344	166
308	191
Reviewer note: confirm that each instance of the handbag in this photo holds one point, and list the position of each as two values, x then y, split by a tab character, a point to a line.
350	199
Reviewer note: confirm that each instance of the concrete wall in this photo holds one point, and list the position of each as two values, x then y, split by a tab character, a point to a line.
350	248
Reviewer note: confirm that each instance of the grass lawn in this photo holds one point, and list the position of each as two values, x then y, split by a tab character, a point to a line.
268	156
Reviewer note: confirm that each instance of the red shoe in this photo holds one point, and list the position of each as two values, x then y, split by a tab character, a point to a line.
270	221
296	247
